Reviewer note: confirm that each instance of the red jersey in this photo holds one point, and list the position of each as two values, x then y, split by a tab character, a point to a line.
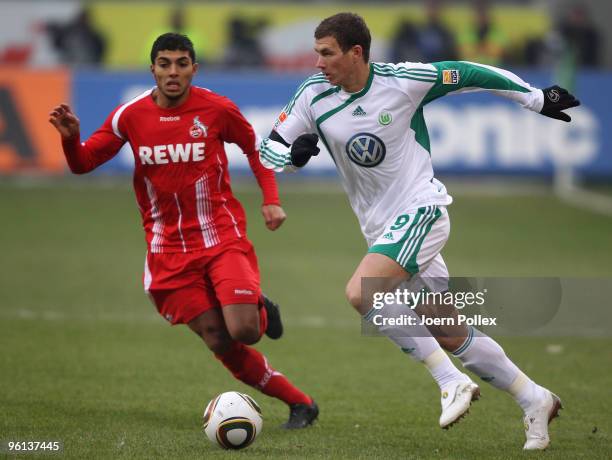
181	174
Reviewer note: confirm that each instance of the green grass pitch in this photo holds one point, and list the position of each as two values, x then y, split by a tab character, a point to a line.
86	360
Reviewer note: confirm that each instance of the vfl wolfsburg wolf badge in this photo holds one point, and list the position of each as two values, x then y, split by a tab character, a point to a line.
385	118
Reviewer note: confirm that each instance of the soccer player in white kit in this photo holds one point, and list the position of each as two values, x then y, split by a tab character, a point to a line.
370	118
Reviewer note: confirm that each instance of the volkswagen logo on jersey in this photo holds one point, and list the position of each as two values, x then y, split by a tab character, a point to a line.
366	150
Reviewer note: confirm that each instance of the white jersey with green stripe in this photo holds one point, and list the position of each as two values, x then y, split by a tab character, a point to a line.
378	138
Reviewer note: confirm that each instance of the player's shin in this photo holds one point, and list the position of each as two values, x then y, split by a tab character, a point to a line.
487	359
251	367
402	325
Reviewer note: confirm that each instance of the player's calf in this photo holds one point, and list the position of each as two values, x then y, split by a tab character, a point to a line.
450	343
450	336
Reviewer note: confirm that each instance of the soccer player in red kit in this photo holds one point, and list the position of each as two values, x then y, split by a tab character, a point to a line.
200	268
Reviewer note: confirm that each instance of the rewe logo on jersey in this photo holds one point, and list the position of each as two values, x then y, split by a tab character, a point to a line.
198	129
171	153
358	112
366	150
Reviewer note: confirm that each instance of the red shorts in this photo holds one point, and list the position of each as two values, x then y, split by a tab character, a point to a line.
185	285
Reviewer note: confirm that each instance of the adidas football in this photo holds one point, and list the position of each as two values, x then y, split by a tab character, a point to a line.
232	420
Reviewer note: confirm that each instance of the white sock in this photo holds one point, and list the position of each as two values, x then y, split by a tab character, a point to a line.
442	369
416	341
486	358
526	392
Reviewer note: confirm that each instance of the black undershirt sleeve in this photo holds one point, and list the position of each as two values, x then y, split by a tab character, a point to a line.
277	138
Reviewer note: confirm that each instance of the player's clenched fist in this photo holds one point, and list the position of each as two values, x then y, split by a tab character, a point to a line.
65	121
274	216
304	147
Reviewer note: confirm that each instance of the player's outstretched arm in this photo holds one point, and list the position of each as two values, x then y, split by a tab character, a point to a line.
276	154
453	77
86	156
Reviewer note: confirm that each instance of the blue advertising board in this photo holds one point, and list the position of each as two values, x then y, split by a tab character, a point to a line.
475	133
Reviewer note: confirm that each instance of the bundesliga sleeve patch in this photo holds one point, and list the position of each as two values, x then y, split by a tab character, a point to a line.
282	117
450	77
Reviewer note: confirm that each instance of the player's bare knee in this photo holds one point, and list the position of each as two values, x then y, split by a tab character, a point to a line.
247	334
353	295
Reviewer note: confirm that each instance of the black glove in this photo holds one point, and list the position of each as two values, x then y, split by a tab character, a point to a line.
304	147
557	99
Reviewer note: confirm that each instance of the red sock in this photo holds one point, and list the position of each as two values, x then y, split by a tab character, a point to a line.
263	320
251	367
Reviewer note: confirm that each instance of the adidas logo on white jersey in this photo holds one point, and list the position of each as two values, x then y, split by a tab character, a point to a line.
358	112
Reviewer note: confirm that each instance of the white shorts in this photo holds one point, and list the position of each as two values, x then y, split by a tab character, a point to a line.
414	240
